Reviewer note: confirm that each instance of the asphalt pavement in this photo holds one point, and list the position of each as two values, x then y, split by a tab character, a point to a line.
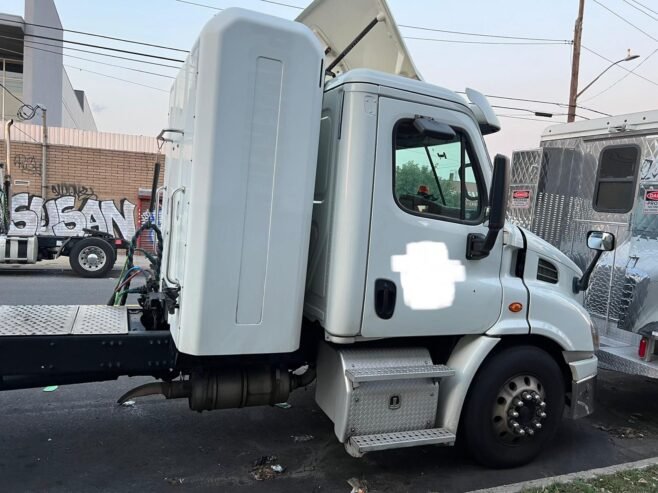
76	439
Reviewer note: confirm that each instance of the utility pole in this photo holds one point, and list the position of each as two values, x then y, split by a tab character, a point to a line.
575	62
44	153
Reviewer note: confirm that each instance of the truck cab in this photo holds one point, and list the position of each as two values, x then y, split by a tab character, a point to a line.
330	217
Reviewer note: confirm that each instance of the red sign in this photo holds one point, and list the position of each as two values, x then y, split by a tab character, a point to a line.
521	199
650	202
525	194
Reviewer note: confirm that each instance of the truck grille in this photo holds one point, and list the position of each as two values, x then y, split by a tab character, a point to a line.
546	272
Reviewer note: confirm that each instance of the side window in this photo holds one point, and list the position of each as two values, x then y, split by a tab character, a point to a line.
615	181
435	177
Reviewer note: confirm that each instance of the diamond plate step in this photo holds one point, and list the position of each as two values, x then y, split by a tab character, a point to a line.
358	375
52	320
359	445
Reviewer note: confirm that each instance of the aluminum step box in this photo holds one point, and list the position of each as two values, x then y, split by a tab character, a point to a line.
389	393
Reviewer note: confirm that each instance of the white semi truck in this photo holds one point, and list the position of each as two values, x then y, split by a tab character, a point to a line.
327	211
602	175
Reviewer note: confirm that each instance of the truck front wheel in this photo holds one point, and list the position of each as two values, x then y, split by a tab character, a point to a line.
514	407
92	257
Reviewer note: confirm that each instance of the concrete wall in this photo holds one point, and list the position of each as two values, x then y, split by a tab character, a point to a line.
76	112
45	81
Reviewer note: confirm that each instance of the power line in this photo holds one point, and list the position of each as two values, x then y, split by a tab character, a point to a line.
620	66
622	78
96	35
625	20
138	53
642	5
562	105
26	134
118	57
11	94
117	78
639	9
283	4
463	33
87	60
525	118
199	4
461	41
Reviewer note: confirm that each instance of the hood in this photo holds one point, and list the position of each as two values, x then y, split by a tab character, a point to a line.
337	23
544	249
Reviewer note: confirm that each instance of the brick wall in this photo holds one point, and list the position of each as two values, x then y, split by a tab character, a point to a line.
84	175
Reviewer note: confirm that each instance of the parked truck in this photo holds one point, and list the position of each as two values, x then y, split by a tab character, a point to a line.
91	254
296	247
601	175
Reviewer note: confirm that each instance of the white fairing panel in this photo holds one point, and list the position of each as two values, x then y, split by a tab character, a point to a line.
240	184
337	23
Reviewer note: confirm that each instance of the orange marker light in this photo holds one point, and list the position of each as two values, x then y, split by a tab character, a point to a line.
515	307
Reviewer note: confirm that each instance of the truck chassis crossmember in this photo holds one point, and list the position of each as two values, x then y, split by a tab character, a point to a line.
58	344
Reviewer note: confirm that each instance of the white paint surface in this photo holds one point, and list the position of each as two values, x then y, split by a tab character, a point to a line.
428	275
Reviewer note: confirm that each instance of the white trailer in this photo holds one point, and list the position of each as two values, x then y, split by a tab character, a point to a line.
602	175
327	210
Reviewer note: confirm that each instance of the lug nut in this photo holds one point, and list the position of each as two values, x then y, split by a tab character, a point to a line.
521	432
538	426
514	424
513	414
542	404
530	431
519	403
536	397
527	396
542	415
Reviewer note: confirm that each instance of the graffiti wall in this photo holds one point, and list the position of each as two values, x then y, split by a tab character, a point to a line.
70	214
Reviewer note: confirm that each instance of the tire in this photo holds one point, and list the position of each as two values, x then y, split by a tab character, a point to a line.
487	427
92	257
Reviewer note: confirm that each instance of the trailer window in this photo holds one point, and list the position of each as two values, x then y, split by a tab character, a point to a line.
616	179
435	177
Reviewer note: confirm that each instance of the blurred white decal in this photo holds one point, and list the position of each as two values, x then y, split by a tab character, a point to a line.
427	275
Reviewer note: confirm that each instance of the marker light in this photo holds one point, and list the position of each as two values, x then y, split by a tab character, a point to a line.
515	307
642	349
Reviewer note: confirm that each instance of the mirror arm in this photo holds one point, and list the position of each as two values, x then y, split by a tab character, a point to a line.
583	283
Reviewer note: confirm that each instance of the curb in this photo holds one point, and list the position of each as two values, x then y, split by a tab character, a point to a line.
568	478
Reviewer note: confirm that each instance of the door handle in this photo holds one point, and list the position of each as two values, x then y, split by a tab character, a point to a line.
385	294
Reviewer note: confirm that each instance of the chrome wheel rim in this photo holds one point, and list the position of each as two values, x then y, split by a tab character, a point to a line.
520	409
92	258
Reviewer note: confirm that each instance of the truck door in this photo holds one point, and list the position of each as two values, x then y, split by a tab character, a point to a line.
429	194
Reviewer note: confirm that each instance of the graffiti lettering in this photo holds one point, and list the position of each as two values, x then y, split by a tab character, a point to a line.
80	192
27	164
31	215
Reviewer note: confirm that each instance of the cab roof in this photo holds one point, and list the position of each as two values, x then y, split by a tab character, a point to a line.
367	76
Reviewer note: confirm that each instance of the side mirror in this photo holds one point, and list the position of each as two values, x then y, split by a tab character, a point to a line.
478	246
601	241
431	128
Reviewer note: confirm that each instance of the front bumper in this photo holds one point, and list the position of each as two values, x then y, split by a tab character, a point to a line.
580	402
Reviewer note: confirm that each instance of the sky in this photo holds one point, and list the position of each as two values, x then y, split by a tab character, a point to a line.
539	72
